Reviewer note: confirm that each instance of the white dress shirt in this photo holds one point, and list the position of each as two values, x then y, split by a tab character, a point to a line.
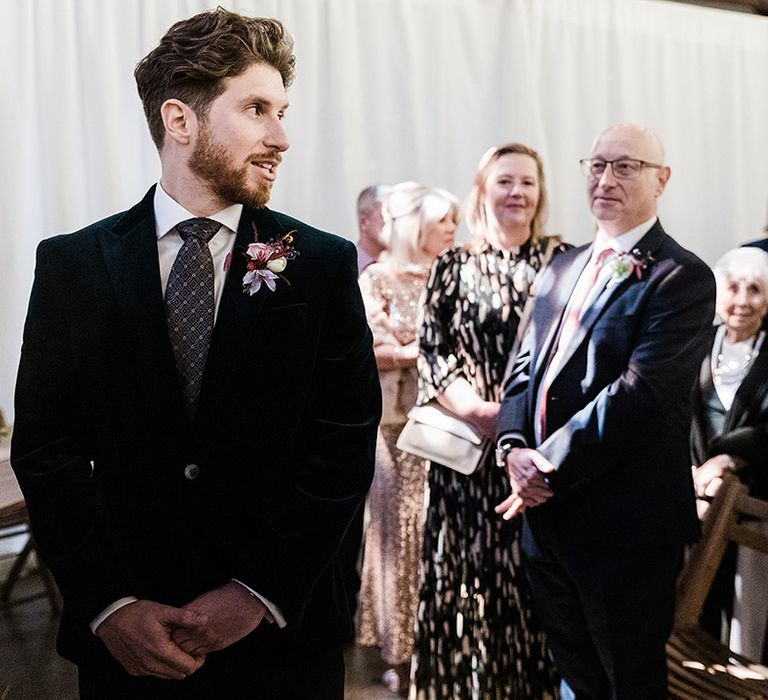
625	243
168	213
363	259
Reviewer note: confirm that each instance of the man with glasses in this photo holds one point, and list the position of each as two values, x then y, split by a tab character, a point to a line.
593	428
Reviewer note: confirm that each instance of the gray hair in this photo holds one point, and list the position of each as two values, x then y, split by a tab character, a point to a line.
749	263
370	196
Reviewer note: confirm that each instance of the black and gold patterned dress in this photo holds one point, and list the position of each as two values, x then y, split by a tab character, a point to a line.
477	637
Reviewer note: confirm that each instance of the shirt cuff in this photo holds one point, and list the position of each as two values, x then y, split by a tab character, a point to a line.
511	438
114	607
273	612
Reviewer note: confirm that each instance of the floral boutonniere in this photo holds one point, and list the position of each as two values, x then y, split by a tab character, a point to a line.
624	265
267	261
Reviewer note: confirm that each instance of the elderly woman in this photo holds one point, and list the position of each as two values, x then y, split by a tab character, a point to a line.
420	222
477	635
730	432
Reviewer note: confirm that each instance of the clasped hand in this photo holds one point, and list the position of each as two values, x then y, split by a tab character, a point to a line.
708	477
526	469
150	639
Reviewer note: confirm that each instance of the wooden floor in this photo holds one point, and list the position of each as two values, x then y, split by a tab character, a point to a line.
30	669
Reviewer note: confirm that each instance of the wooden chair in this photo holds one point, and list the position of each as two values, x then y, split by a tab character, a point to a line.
14	522
700	668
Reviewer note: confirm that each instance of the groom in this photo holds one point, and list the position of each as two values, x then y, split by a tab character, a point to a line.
197	401
594	428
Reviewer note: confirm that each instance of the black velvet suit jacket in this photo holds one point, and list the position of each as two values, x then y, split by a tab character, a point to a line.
618	411
745	433
283	438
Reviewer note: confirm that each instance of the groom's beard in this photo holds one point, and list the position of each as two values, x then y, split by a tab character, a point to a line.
211	162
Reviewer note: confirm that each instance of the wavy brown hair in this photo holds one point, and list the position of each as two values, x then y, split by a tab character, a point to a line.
197	55
476	215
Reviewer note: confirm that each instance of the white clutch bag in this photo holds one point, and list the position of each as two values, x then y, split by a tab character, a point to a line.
434	433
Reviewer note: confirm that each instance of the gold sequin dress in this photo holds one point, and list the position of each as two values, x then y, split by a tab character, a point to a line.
393	539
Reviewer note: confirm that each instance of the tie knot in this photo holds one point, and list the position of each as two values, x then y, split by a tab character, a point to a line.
603	256
204	229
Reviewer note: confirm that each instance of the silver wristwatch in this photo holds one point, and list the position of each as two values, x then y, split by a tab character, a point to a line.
502	451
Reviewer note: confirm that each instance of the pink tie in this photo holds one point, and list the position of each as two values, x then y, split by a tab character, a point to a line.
570	324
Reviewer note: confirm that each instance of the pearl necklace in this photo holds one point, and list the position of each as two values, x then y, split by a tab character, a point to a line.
730	368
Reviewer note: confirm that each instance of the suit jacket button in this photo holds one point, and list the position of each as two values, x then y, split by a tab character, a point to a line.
191	471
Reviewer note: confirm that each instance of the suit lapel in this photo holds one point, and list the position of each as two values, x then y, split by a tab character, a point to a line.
755	384
593	312
130	255
238	310
647	245
706	381
561	293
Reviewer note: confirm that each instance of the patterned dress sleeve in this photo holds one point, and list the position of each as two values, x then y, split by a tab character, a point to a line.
373	287
438	364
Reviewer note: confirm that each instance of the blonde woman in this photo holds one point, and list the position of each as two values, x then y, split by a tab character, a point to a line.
477	635
420	222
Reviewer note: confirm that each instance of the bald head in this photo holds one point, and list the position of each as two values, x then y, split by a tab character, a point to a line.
645	139
622	198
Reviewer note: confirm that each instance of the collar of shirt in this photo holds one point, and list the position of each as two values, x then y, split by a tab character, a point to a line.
168	213
621	244
626	241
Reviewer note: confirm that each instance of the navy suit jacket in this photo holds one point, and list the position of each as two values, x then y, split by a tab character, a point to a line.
283	438
618	411
762	244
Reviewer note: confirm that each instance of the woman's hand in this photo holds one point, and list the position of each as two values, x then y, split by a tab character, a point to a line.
483	416
708	477
406	355
460	398
396	356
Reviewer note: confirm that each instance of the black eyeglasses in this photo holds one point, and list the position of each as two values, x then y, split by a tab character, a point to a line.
623	168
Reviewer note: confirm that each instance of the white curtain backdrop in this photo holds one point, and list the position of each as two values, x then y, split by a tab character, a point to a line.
391	90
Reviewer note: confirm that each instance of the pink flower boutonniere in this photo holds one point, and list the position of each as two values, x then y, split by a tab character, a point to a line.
266	262
624	265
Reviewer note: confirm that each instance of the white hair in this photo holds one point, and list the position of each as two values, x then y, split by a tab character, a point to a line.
742	263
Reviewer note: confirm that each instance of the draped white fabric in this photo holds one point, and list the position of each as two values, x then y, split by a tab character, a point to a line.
391	90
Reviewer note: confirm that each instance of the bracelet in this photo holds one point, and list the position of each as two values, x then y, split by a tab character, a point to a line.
395	356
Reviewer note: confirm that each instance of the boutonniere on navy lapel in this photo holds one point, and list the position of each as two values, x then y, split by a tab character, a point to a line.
267	261
623	265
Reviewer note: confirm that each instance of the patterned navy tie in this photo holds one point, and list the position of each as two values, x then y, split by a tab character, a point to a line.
189	305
